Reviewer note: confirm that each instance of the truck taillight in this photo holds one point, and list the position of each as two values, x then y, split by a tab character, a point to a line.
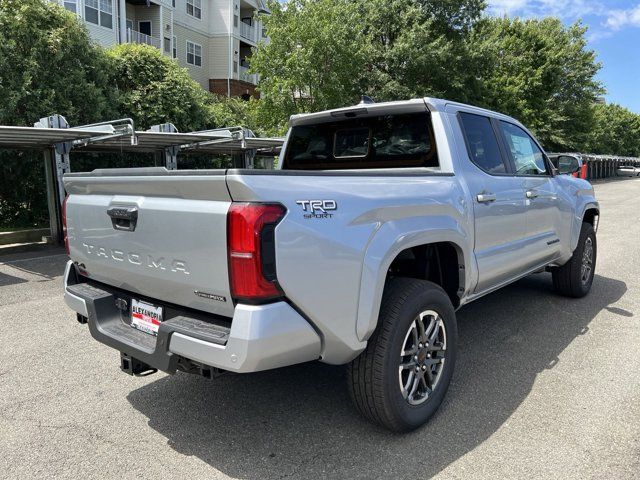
251	247
64	225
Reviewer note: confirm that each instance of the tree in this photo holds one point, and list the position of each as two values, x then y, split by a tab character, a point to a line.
315	59
234	111
616	131
154	89
418	47
49	65
326	53
540	72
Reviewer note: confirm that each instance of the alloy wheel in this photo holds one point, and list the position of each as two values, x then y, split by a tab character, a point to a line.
587	261
422	357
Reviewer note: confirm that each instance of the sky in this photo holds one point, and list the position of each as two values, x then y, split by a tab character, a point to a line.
614	34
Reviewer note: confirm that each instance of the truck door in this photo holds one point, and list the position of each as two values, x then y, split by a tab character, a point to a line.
498	202
543	217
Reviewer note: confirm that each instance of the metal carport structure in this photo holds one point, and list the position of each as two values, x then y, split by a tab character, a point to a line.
53	136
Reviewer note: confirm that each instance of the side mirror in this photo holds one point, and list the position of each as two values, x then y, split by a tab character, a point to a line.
568	165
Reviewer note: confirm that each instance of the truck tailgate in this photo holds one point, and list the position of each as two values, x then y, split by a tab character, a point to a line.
159	234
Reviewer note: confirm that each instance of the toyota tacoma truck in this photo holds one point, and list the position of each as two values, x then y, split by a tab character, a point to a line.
381	220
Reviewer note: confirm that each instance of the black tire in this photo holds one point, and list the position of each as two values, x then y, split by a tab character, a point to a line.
569	279
374	378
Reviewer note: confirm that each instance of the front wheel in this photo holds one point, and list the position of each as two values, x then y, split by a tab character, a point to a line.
575	277
401	378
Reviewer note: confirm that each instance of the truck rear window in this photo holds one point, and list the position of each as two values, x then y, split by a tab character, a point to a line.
386	141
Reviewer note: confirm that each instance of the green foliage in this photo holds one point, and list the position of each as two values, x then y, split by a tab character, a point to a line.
418	48
540	72
616	131
232	112
154	89
23	199
326	53
49	65
315	59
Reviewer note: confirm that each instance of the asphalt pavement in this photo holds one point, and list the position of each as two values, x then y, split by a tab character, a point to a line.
545	387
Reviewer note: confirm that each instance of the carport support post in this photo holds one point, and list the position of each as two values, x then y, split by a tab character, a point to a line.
171	158
248	156
56	164
54	207
170	153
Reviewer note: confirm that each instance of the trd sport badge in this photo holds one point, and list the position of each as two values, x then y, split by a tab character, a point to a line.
318	208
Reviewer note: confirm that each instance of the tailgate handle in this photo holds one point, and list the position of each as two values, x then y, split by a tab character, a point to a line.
124	218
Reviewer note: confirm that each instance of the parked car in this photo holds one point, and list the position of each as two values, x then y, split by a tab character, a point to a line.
569	164
628	171
381	221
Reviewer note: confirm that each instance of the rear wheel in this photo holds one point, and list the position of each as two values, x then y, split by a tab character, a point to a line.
575	277
401	378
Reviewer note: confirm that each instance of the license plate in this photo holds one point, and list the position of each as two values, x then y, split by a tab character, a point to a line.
145	317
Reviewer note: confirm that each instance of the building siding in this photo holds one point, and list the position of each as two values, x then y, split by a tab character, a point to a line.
213	32
218	57
199	74
180	17
105	37
219	19
166	27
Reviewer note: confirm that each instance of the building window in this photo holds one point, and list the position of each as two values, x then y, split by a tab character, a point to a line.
99	12
71	5
194	8
175	47
194	54
167	45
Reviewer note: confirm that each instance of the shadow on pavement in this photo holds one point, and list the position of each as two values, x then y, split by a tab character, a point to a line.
298	422
46	264
6	279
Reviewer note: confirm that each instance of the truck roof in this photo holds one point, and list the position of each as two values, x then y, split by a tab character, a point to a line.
402	106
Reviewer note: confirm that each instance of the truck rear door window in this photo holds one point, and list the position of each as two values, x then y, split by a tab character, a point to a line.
482	143
386	141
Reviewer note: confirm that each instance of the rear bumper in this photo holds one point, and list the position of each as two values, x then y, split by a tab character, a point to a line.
260	337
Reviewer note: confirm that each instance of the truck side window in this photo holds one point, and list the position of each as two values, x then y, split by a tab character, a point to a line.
482	143
527	157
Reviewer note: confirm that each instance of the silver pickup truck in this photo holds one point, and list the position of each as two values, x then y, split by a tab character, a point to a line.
380	221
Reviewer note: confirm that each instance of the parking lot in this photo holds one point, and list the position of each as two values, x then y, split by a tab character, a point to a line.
545	387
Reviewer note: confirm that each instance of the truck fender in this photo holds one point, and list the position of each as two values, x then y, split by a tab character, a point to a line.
585	203
388	241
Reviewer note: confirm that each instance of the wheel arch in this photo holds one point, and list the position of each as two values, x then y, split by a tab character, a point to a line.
590	213
449	244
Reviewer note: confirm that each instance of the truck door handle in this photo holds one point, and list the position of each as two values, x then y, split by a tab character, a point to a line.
486	197
123	218
531	194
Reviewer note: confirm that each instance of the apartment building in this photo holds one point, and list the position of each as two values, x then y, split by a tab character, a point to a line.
211	38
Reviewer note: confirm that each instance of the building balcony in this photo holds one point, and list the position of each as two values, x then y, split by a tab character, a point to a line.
137	37
245	76
249	32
